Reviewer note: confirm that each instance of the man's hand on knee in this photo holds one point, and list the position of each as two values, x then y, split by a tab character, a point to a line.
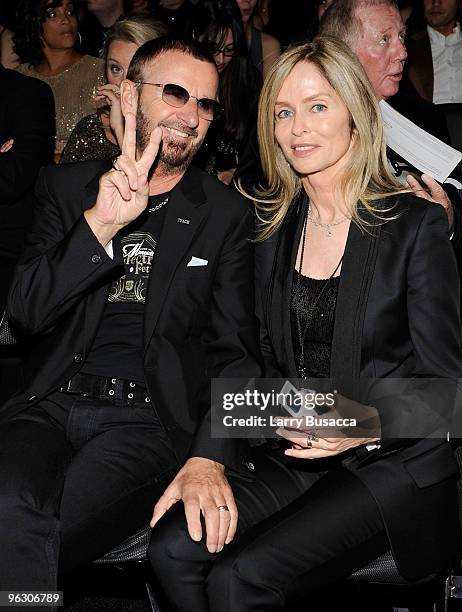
203	487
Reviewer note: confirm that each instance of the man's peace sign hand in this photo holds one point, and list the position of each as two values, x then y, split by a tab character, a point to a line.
124	190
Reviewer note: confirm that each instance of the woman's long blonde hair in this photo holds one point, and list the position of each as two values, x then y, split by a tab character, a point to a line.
366	177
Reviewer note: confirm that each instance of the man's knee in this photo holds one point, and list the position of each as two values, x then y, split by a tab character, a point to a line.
21	513
12	509
171	542
232	572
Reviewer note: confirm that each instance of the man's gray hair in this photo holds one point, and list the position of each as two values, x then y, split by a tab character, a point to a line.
342	19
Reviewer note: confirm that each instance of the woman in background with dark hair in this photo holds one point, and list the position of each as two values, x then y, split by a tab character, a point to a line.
263	48
231	143
46	41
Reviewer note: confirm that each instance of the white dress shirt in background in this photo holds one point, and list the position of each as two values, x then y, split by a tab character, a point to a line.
447	65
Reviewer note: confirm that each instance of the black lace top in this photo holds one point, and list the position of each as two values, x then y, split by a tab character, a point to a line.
316	317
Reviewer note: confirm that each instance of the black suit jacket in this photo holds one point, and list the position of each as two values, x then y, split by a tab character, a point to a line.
419	65
397	315
27	114
422	112
199	321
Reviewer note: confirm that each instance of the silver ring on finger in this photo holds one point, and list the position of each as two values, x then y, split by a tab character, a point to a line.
310	438
313	437
114	164
223	508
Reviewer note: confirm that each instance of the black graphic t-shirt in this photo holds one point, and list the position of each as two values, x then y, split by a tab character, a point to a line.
117	349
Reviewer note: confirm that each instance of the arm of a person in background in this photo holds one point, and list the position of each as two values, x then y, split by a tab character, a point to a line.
430	118
30	109
450	198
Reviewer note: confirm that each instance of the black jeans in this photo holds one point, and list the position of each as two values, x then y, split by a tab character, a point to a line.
77	476
300	527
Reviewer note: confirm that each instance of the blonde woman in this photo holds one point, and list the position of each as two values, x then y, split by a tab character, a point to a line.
99	135
356	280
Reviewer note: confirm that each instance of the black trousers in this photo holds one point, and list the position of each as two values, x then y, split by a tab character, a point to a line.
300	527
77	476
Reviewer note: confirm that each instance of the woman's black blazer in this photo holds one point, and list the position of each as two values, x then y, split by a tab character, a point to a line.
397	316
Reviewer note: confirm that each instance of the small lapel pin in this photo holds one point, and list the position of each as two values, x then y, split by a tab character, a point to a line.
185	221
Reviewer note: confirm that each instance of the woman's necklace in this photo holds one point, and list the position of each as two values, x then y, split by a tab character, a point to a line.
327	226
312	306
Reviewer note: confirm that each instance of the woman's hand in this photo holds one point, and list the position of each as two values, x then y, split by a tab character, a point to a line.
345	424
111	95
306	445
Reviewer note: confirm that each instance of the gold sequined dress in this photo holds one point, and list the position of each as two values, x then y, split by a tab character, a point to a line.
88	142
73	90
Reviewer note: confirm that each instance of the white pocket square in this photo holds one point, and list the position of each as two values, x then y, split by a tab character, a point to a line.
197	261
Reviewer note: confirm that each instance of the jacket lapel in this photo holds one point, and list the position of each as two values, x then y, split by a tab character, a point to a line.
186	210
356	276
281	286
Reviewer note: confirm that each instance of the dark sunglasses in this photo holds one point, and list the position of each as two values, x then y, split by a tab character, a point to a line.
177	96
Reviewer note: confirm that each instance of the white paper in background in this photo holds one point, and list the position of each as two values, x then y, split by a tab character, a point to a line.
422	150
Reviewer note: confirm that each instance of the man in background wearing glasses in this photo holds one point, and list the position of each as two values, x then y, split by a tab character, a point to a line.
136	284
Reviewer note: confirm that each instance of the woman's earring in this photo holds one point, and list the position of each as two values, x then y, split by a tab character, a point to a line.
79	38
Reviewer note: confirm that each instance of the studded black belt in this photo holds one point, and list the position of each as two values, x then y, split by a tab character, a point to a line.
106	387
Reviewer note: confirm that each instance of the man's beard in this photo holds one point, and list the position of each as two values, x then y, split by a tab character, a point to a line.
174	156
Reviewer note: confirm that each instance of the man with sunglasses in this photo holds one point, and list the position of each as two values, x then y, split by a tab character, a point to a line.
136	284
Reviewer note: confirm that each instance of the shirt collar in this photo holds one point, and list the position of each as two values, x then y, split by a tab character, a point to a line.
436	37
